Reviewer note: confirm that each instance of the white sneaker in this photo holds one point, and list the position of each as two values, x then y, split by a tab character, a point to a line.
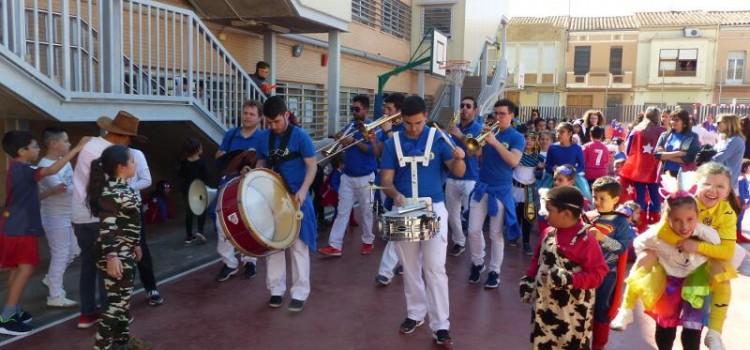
622	320
201	238
60	301
713	340
45	281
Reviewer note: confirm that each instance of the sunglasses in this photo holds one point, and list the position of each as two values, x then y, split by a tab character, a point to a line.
467	105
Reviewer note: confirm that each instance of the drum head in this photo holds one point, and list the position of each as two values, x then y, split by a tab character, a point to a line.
268	209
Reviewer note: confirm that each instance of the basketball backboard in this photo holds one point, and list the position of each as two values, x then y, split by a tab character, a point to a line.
439	53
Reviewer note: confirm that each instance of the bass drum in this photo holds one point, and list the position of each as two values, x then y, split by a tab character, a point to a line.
257	214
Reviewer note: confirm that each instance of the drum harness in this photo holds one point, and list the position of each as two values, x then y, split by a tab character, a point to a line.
280	155
413	160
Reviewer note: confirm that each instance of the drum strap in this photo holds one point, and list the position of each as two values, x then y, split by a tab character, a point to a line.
281	154
413	160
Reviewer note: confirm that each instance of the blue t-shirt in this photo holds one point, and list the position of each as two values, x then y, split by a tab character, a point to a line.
558	155
357	162
293	171
21	216
495	171
472	161
673	143
430	177
233	140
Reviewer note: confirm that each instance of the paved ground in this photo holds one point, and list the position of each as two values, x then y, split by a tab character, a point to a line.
345	311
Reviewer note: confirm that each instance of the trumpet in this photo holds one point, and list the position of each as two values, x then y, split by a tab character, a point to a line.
335	148
445	136
473	144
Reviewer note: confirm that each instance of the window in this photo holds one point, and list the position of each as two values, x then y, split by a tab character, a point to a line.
396	18
615	60
308	103
434	17
548	59
678	62
363	11
582	60
735	67
530	58
548	98
511	55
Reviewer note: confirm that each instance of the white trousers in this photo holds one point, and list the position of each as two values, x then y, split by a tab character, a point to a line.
353	190
389	260
63	248
226	250
477	214
276	275
456	201
425	279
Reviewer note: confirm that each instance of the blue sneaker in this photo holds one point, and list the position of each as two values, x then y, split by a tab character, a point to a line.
13	326
476	273
493	280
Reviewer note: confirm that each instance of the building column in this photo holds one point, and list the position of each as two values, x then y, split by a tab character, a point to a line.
269	56
16	27
112	67
334	79
420	83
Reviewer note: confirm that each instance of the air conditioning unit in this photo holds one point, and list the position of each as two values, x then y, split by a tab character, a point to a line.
689	32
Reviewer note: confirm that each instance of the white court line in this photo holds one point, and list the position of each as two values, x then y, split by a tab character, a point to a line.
68	318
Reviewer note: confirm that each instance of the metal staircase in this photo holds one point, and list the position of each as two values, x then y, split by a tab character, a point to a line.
76	60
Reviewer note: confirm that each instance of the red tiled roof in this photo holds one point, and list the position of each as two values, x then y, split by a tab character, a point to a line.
642	19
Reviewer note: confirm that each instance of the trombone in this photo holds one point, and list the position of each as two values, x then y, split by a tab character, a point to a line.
473	144
335	148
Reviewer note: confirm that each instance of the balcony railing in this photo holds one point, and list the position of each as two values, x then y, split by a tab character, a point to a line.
125	49
600	80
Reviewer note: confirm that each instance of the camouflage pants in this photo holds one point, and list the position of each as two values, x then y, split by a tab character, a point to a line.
114	326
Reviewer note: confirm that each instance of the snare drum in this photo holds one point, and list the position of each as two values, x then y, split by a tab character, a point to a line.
413	226
257	214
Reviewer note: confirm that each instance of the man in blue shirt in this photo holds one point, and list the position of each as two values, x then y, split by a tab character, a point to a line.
389	261
359	171
458	189
493	195
289	151
425	258
244	138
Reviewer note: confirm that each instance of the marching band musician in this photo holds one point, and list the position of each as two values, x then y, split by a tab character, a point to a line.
426	295
389	261
359	171
249	136
493	196
458	189
289	151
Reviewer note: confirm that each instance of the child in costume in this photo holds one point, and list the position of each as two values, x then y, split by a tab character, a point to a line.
524	188
614	233
715	198
671	283
560	282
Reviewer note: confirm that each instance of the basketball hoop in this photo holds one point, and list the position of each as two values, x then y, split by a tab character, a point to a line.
456	70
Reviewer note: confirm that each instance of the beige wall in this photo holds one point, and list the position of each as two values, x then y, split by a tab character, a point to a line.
733	39
601	43
651	41
341	9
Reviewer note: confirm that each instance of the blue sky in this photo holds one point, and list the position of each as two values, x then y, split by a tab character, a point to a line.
617	7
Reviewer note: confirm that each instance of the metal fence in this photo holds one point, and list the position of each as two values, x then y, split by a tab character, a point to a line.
133	49
629	113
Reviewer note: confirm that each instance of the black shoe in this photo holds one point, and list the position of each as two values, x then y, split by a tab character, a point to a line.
409	325
492	280
225	273
476	273
154	298
13	326
398	270
23	316
250	271
457	250
275	301
382	280
442	337
296	305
